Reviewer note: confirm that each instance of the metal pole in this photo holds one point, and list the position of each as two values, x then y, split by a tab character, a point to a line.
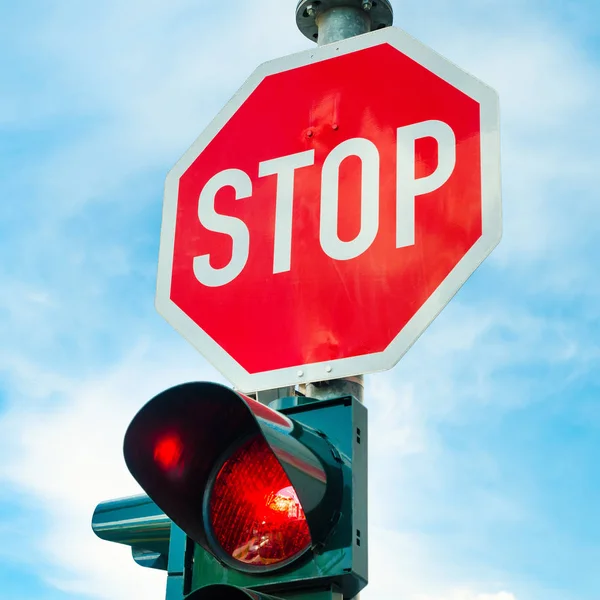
327	22
334	24
340	23
337	20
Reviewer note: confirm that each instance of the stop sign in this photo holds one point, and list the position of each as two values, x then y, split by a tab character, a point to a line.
330	211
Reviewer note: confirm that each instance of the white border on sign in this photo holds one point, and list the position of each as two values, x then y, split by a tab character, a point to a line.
491	218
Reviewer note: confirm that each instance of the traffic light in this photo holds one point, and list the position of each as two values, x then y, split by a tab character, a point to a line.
274	502
135	522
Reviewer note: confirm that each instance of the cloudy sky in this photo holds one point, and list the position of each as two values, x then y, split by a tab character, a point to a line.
484	477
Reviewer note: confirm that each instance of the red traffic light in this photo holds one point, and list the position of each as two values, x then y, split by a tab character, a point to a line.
253	509
251	486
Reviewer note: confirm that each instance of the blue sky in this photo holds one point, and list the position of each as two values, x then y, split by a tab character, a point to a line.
484	479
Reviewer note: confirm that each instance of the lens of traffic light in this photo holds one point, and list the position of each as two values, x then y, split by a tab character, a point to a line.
254	511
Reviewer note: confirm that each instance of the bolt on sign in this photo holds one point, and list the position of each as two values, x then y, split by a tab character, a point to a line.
330	211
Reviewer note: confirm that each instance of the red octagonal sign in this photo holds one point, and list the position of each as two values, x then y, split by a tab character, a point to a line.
330	211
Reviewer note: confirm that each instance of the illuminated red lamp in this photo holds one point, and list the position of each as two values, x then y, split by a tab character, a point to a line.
254	515
168	451
169	455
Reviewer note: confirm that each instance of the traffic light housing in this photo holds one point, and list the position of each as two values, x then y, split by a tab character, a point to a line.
136	522
273	501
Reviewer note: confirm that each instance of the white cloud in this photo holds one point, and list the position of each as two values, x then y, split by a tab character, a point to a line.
65	454
401	566
152	75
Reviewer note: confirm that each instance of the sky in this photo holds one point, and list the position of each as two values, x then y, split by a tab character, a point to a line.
484	439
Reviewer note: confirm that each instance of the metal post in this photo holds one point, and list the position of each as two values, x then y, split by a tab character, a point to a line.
341	22
327	22
334	388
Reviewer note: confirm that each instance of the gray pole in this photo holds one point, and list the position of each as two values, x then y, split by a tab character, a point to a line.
327	22
341	22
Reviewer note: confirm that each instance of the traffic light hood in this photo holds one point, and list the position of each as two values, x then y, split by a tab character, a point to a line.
178	443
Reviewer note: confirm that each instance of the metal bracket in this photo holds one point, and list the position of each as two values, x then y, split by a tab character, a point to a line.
380	11
268	396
